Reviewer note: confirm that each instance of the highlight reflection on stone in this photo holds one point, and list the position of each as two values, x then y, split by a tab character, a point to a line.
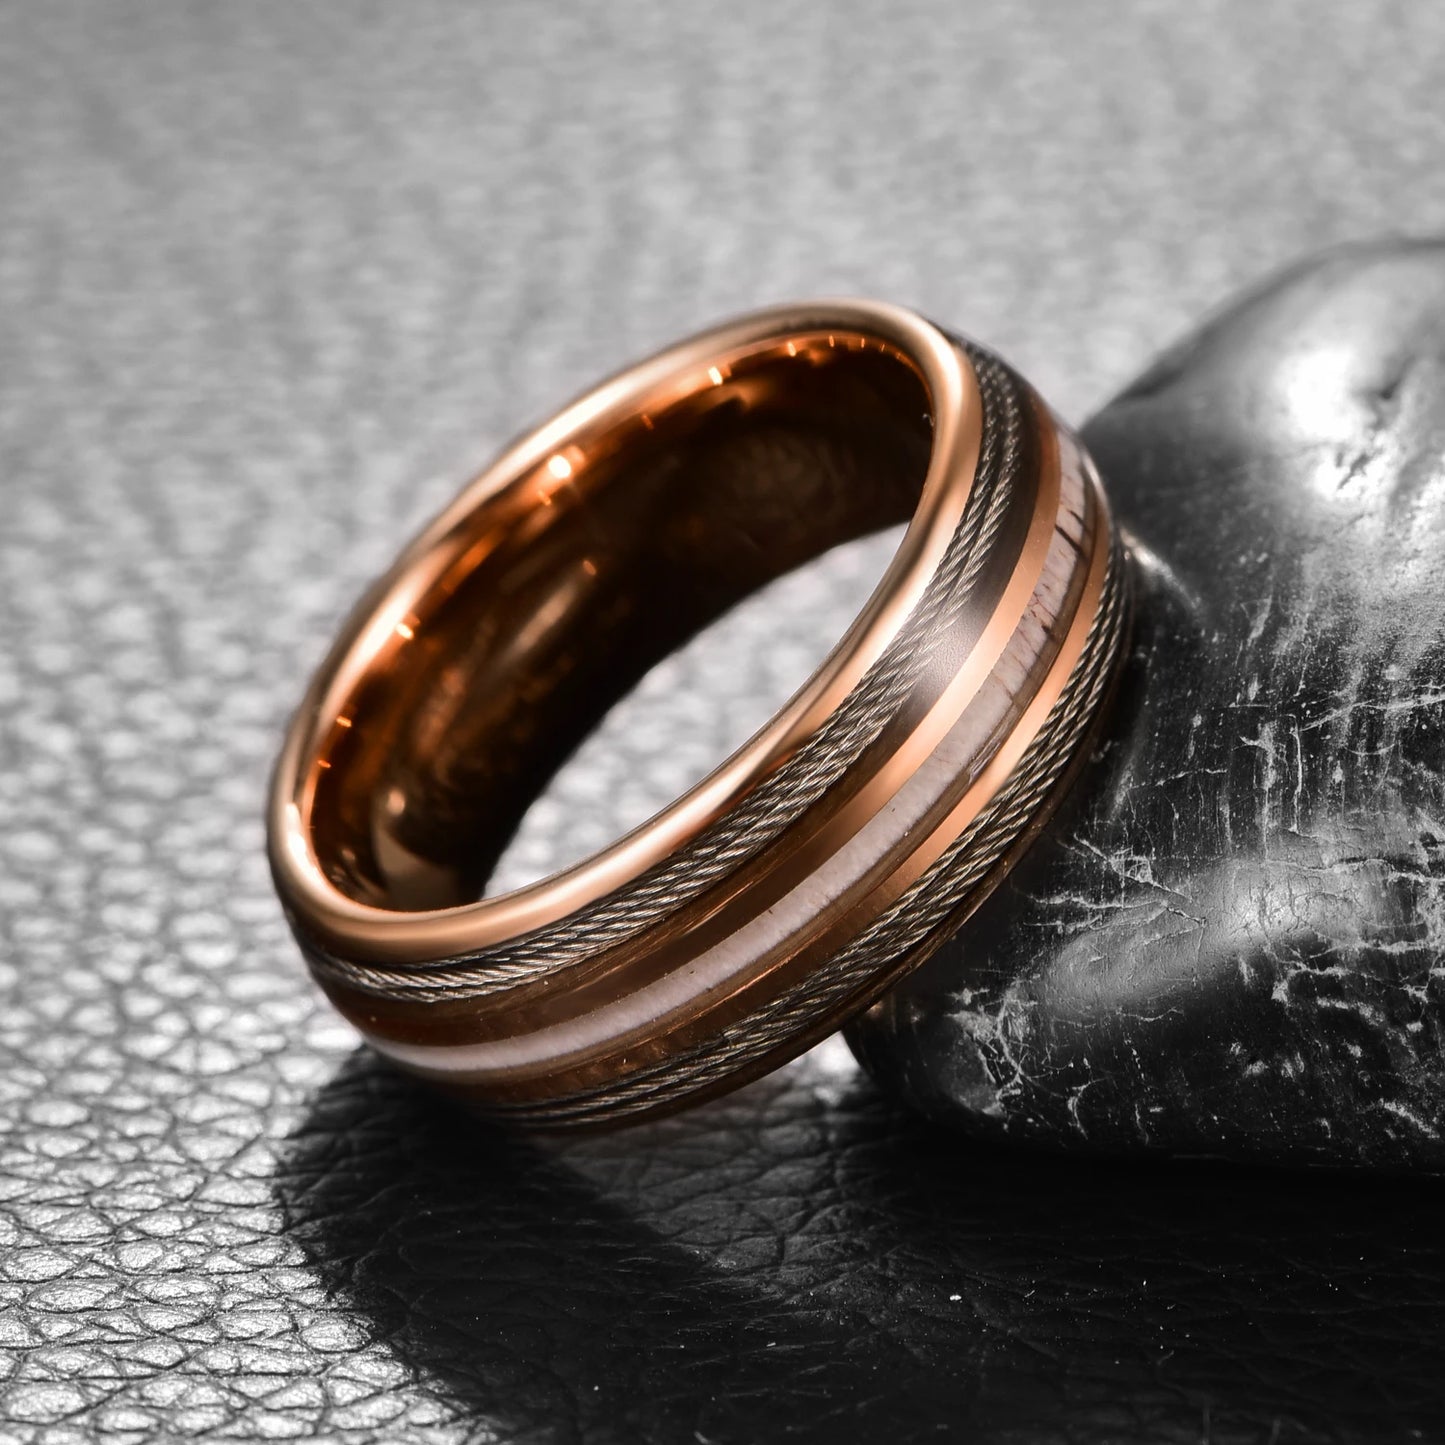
1231	941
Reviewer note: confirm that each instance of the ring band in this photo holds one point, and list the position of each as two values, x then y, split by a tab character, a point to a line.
835	850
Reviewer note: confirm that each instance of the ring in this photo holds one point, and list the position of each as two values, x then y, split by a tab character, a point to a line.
830	854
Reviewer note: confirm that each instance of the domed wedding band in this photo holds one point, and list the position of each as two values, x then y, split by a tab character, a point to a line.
835	850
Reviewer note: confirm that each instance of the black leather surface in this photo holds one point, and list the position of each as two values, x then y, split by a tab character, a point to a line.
808	1263
271	278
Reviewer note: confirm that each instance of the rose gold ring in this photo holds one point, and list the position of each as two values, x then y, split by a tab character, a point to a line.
830	854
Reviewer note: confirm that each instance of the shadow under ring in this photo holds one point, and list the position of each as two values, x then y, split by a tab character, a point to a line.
835	850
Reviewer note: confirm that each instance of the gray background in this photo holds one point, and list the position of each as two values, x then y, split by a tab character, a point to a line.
273	279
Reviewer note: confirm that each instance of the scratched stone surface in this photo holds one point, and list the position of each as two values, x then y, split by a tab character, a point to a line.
1232	940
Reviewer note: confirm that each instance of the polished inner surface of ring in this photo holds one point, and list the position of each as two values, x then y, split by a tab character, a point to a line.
614	552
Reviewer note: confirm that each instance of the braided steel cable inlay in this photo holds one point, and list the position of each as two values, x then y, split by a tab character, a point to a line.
780	800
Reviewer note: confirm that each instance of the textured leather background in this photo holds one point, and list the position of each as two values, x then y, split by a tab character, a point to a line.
272	278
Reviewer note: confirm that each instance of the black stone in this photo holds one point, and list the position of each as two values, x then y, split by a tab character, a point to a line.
1231	939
